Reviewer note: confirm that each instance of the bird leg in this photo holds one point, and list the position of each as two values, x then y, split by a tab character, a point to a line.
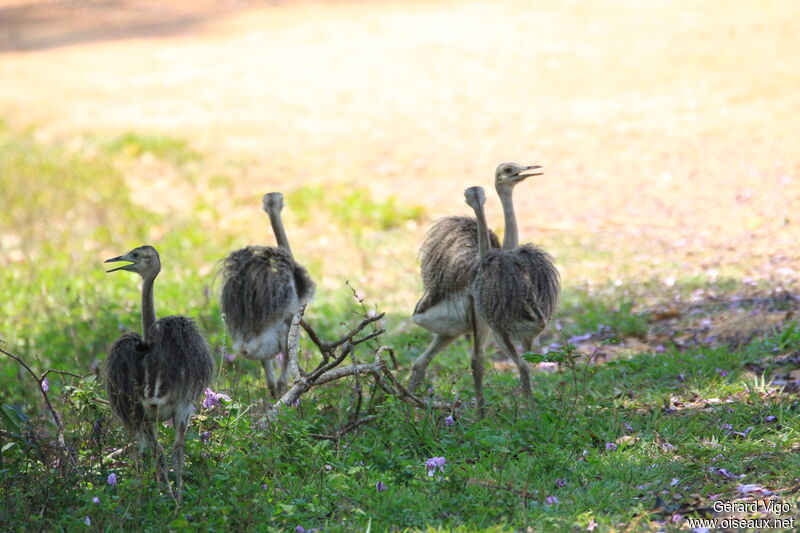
271	385
284	377
181	422
438	344
524	370
479	334
148	442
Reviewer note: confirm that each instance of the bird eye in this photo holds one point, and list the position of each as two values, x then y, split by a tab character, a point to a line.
134	254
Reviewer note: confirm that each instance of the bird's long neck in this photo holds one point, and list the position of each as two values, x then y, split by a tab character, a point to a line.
148	306
277	229
483	229
510	236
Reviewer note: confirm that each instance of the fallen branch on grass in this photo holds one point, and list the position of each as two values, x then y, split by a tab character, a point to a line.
328	370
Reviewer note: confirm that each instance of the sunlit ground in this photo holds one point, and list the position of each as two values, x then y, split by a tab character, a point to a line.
668	131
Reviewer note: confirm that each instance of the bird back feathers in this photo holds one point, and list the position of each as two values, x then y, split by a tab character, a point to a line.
449	257
516	291
260	283
176	364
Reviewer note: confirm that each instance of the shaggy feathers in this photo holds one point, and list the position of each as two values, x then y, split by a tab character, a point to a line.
449	258
516	291
259	283
177	360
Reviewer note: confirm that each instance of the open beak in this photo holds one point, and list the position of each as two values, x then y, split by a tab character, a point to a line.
117	260
519	177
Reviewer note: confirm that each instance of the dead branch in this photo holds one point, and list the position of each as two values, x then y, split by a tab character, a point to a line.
56	417
328	370
346	429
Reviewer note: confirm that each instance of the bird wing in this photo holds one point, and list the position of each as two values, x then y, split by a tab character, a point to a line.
124	377
260	284
448	258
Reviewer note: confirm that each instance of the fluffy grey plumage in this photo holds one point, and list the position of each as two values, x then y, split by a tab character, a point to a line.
175	366
161	376
124	379
516	291
260	283
449	258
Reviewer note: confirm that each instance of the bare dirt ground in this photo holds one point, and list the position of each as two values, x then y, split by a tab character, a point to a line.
669	131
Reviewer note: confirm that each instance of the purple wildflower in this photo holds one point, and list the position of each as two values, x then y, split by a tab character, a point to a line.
676	518
721	372
204	436
229	357
726	427
771	418
213	399
560	482
551	500
112	479
681	378
264	486
380	486
433	463
45	385
674	482
300	529
449	420
628	427
95	500
611	446
87	520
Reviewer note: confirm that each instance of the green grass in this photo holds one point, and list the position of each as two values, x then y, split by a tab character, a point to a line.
163	147
67	210
351	208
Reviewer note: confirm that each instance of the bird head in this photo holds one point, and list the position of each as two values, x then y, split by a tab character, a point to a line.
475	197
508	175
143	260
273	202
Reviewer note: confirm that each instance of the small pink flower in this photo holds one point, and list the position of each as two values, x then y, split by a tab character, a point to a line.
676	518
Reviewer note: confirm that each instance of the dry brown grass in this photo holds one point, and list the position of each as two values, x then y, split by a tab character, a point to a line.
668	131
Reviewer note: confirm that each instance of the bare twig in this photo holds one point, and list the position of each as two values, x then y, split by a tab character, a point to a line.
328	370
53	412
346	429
